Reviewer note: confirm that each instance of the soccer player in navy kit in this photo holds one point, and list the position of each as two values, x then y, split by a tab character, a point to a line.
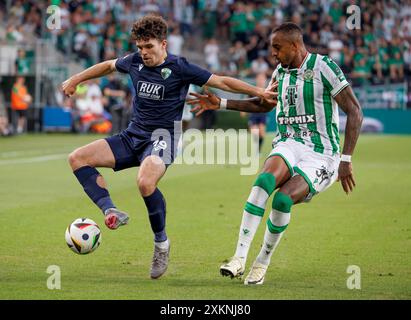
161	82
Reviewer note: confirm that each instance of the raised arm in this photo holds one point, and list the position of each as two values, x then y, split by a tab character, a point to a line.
98	70
254	105
210	101
237	86
350	105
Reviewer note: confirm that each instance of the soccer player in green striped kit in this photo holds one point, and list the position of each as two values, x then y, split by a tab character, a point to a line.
306	157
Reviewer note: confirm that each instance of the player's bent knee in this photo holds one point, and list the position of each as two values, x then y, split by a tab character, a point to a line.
146	186
76	159
153	163
73	159
282	202
266	181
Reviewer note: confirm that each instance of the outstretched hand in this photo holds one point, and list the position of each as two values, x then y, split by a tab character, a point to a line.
345	175
69	86
203	102
270	94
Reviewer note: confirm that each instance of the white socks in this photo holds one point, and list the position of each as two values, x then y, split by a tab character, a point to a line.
249	226
162	245
276	225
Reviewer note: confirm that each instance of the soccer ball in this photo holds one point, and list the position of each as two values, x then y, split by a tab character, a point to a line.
83	236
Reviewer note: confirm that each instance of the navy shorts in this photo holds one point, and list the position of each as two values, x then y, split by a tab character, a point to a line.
257	118
131	147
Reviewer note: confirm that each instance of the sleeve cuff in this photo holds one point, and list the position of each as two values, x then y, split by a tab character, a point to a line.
338	89
208	79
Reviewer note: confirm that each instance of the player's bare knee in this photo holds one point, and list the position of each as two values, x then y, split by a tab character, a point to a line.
146	186
72	159
76	159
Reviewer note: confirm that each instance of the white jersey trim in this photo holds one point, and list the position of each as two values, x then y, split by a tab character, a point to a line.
339	88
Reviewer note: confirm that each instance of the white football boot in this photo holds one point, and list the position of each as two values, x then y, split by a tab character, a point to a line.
234	268
256	274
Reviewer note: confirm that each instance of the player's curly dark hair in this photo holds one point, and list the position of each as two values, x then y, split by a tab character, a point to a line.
150	27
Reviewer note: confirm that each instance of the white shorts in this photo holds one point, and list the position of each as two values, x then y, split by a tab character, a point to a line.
320	171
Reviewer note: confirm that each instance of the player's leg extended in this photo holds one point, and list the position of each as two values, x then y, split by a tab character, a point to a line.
84	162
293	191
151	171
275	172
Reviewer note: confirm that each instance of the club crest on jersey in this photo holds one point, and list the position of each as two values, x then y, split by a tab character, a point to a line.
308	74
165	73
150	90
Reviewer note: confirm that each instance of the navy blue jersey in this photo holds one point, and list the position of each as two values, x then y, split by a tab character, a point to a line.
160	91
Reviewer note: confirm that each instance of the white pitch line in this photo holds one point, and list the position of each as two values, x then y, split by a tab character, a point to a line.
34	159
34	152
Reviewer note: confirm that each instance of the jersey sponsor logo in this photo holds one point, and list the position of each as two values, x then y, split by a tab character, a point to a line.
300	134
140	66
303	119
150	90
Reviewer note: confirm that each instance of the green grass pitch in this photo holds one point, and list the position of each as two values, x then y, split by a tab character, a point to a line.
39	197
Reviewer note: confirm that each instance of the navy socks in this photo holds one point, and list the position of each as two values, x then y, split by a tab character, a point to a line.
156	207
87	176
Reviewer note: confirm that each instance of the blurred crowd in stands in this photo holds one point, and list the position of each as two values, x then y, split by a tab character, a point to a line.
378	52
100	105
235	33
229	37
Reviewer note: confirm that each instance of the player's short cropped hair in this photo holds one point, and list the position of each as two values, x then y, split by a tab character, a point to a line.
150	27
289	28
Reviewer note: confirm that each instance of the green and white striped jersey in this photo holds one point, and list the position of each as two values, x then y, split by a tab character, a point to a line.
306	109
